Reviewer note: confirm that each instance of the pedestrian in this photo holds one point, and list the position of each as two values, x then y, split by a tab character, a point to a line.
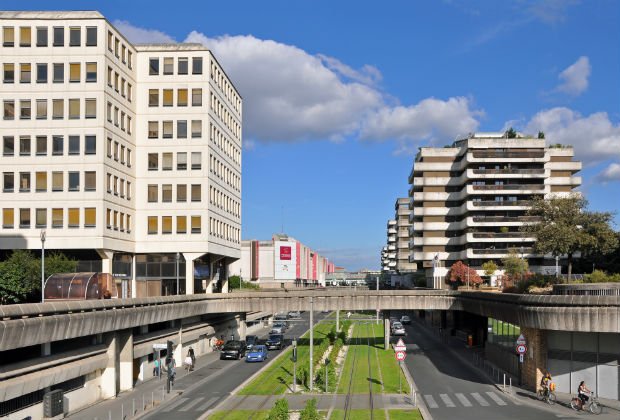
156	367
191	357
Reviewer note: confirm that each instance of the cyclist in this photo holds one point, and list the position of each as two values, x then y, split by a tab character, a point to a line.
583	393
544	383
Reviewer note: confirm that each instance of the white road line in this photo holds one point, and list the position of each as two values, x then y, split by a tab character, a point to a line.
446	400
190	405
495	398
207	404
463	399
430	401
170	407
480	400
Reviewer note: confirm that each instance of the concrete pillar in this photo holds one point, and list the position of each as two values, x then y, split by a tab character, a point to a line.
534	364
134	284
178	348
386	329
109	387
243	327
125	356
337	320
106	260
189	271
46	349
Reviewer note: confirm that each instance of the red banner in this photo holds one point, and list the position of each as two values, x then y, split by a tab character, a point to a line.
285	253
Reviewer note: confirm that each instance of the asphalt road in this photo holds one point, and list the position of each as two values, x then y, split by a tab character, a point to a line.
213	383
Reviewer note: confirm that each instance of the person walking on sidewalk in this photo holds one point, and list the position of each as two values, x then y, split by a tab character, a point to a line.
156	367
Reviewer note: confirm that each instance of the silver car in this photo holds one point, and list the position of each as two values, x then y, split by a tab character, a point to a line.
398	329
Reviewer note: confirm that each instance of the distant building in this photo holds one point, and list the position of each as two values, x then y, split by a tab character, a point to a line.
388	253
282	261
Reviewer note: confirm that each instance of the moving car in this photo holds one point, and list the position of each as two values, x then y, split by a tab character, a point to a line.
233	349
405	320
275	341
398	329
279	327
257	354
251	341
294	315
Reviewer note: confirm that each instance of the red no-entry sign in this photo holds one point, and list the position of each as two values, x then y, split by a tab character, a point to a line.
400	355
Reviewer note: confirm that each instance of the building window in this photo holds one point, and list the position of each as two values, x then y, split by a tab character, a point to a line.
153	161
123	53
9	110
121	218
122	154
108	218
166	225
181	193
166	193
41	218
196	129
74	145
74	72
167	129
181	224
182	129
25	36
153	129
153	97
181	161
24	218
24	146
42	37
91	36
41	109
8	39
41	146
90	217
196	97
197	65
24	182
25	72
41	72
109	183
90	181
129	92
41	182
59	36
116	45
116	151
167	97
166	161
196	228
90	108
75	35
57	218
73	215
168	65
129	54
57	181
90	145
25	110
152	193
196	193
110	40
182	97
128	190
182	69
116	81
128	124
115	185
8	218
74	109
196	160
91	72
8	184
128	224
9	73
59	72
109	147
58	106
153	66
74	181
152	225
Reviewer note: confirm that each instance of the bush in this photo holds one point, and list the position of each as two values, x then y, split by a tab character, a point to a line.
302	375
279	410
599	276
331	377
310	412
235	283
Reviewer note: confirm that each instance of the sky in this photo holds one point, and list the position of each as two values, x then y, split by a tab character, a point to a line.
339	95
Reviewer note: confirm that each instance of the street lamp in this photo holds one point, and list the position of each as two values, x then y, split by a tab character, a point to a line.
177	257
42	266
310	380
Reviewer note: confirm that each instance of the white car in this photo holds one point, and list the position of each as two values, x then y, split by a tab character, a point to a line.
398	329
405	320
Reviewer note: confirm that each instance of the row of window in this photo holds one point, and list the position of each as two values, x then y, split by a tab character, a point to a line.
222	171
42	36
116	185
225	86
75	145
226	117
167	129
119	153
117	220
153	223
75	181
86	217
121	51
58	109
224	202
181	193
168	66
119	84
76	75
119	118
223	230
167	96
224	144
167	161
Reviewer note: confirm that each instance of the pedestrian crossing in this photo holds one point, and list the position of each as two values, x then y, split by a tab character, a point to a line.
459	400
200	404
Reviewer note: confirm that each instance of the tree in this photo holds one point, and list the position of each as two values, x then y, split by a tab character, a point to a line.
57	262
515	266
511	133
462	274
310	412
489	268
566	227
20	277
279	410
541	134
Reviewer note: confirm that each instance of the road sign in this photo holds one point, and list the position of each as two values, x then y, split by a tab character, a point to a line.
521	340
400	345
158	346
400	355
521	358
521	349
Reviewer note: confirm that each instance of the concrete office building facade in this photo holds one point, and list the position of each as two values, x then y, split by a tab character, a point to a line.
469	200
128	156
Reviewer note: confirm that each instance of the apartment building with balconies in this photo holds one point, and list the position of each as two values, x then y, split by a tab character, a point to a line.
401	215
469	200
389	252
128	156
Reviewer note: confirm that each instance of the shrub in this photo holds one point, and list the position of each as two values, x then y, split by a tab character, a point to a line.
320	377
310	412
599	276
279	410
302	375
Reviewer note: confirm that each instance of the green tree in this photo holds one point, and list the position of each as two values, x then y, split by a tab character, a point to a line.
20	277
515	266
511	133
541	134
310	412
279	410
566	227
57	262
235	283
489	268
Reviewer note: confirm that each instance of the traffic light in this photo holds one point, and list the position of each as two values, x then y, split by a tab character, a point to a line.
294	356
169	345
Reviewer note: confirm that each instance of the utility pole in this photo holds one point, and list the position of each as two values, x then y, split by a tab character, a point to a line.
311	339
43	266
177	270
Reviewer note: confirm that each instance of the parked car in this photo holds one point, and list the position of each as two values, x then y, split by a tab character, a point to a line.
233	349
398	329
257	354
251	341
280	316
405	320
294	315
275	341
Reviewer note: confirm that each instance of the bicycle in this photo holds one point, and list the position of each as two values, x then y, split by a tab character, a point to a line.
592	404
546	395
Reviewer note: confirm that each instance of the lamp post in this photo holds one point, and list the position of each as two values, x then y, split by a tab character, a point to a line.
177	257
311	340
42	266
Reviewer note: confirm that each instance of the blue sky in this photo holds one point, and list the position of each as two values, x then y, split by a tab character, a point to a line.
338	96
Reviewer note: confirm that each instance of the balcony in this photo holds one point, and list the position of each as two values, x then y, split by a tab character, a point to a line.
507	155
499	219
532	187
499	234
509	171
495	251
505	203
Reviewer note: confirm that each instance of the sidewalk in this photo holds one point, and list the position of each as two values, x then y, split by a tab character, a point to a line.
474	357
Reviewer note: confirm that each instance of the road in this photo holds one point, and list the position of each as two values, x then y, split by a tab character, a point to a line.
210	385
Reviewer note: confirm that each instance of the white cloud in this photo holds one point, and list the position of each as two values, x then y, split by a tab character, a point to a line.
574	79
548	11
139	35
595	138
611	173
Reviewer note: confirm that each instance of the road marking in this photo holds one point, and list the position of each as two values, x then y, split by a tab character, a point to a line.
480	400
463	399
495	398
190	405
170	407
430	401
207	404
446	400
